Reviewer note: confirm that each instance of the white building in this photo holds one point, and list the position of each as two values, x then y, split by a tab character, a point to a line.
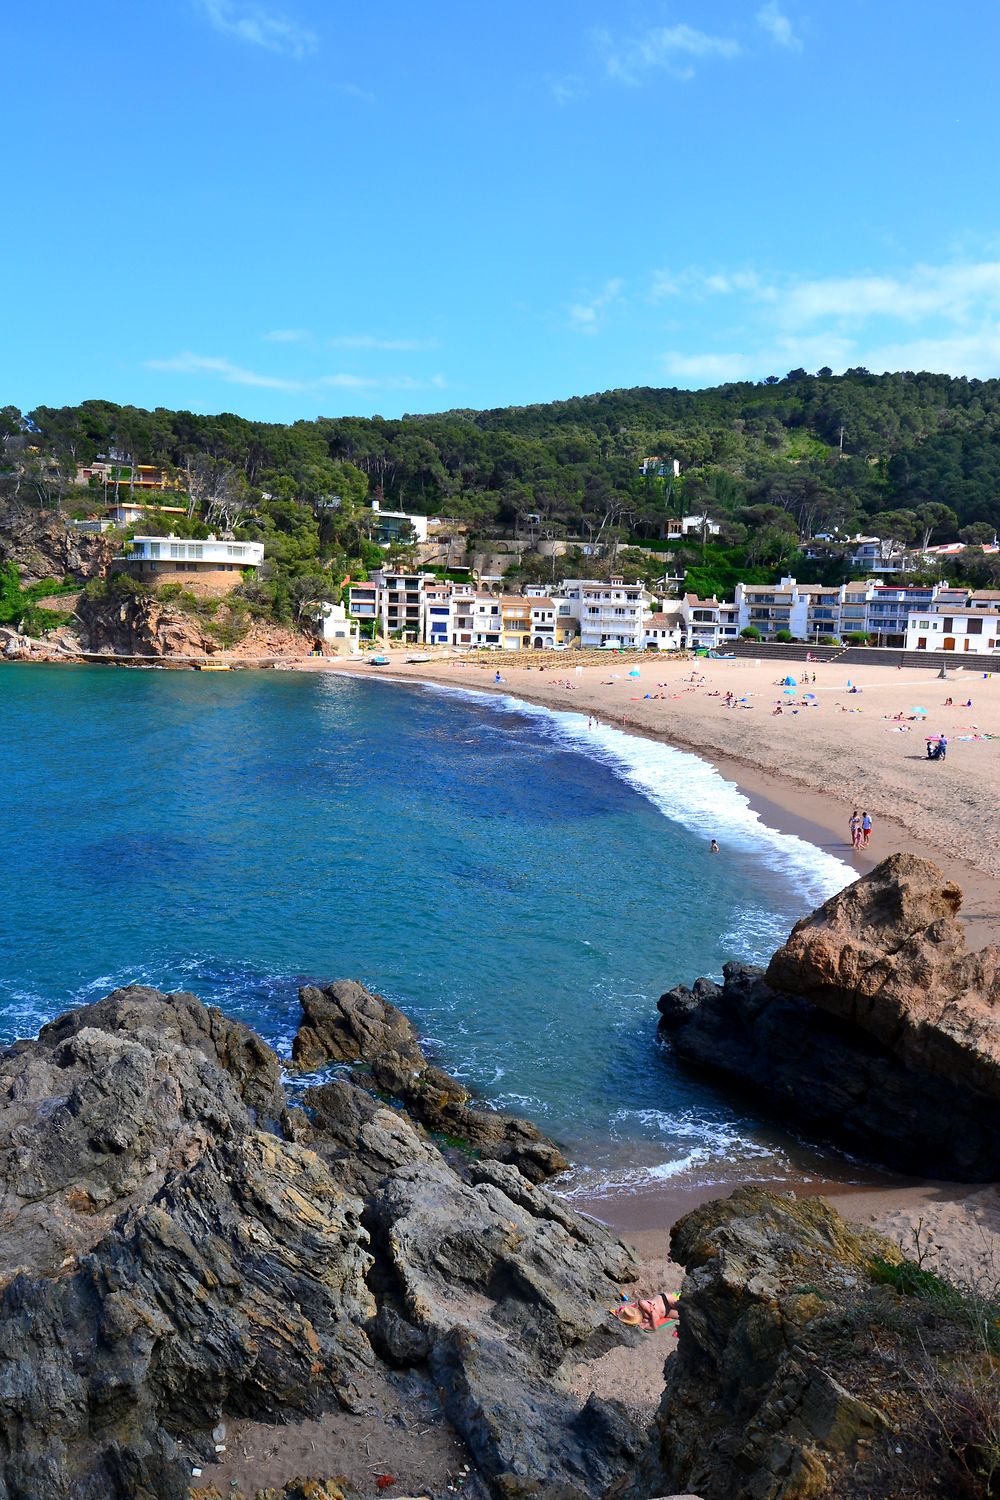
974	631
664	631
690	526
338	634
208	567
610	613
388	526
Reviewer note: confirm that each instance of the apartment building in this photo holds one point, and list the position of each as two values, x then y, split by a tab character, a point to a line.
889	607
771	608
610	613
395	601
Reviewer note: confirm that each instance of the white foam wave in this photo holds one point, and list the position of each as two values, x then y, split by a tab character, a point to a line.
686	789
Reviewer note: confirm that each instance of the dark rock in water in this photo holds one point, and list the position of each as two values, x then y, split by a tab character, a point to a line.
178	1245
347	1023
884	1035
530	1441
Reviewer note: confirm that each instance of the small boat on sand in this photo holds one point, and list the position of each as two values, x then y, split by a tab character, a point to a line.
211	666
379	661
414	660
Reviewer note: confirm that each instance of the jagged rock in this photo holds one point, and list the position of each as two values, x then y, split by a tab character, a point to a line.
360	1138
768	1396
176	1251
41	546
106	1103
134	625
295	1489
888	955
885	1035
347	1023
516	1264
529	1440
238	1288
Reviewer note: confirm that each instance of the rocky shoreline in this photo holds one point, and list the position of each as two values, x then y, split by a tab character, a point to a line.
873	1027
198	1258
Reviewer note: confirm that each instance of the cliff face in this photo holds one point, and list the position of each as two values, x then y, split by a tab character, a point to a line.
133	626
799	1371
872	1026
178	1245
41	546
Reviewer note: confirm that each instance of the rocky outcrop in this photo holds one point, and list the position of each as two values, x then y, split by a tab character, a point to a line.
347	1023
800	1371
134	625
872	1027
41	546
178	1246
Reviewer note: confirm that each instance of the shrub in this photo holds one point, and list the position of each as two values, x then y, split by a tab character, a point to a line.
750	633
857	638
784	636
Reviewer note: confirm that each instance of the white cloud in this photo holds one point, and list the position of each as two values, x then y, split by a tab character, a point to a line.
258	26
365	95
201	364
944	318
661	48
369	341
586	317
567	90
287	336
956	292
233	374
778	26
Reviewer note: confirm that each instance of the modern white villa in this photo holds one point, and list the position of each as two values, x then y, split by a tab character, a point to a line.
211	566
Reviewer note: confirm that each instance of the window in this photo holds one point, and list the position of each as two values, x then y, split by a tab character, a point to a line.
973	627
949	623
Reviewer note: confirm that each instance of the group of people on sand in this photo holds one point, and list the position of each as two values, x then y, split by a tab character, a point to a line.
861	829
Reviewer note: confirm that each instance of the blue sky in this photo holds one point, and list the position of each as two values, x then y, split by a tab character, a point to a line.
292	209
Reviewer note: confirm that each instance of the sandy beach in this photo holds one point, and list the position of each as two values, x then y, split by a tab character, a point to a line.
804	771
806	768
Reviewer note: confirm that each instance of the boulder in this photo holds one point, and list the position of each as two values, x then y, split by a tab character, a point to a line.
872	1027
889	956
109	1101
346	1023
528	1439
497	1256
786	1382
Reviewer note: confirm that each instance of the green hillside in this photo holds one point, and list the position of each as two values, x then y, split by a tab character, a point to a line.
915	456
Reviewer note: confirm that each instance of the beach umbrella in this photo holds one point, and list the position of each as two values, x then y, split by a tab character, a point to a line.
808	695
634	672
917	710
790	682
786	691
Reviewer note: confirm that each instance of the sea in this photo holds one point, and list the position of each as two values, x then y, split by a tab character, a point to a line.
523	884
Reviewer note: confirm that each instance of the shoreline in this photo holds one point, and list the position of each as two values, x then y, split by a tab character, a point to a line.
784	802
789	804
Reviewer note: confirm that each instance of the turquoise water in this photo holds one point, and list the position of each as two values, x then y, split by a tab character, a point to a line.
523	886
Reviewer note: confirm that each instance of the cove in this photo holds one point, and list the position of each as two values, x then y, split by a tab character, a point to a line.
523	888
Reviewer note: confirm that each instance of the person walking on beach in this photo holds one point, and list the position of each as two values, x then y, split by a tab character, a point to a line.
855	827
866	829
